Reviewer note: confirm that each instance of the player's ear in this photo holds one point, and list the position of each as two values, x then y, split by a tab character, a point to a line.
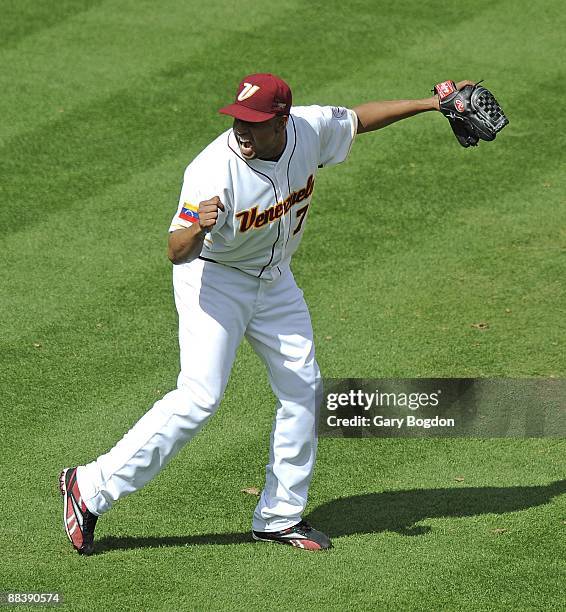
282	123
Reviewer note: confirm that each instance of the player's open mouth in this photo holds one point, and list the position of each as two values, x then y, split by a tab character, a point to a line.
246	146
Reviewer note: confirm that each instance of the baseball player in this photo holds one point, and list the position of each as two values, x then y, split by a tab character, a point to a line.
242	213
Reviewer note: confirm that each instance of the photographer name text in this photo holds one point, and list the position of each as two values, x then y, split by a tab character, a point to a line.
386	422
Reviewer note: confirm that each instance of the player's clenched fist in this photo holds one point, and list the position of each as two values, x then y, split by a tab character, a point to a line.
208	212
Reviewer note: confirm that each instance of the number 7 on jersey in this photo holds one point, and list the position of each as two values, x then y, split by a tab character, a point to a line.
301	214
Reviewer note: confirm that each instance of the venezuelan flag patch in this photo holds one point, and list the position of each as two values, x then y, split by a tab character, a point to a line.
189	212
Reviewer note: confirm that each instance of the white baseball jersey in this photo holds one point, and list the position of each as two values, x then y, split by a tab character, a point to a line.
266	203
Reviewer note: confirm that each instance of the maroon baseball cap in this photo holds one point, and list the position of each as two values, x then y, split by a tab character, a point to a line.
260	97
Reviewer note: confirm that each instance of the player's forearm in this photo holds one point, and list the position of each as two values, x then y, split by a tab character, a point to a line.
185	244
375	115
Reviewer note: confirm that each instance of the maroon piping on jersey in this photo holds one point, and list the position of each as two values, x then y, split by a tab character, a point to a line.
288	165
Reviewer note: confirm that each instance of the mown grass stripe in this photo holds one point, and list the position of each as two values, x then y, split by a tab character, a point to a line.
24	18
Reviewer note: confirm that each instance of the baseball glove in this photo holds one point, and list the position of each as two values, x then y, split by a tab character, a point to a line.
473	112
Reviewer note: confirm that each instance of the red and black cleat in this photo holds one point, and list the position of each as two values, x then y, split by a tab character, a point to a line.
79	522
301	535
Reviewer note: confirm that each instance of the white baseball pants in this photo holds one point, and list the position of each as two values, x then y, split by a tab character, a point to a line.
217	307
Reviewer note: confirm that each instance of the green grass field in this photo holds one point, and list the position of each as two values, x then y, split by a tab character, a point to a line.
409	244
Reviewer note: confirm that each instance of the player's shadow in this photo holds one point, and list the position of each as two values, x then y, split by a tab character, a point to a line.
396	511
401	511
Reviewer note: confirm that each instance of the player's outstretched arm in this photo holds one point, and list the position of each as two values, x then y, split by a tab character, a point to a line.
186	244
375	115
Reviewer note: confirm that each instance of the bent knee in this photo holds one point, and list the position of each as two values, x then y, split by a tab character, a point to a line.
191	394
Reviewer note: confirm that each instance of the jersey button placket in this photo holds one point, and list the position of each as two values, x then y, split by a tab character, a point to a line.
281	178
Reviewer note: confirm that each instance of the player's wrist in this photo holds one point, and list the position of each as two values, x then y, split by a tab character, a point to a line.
198	230
433	102
429	104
